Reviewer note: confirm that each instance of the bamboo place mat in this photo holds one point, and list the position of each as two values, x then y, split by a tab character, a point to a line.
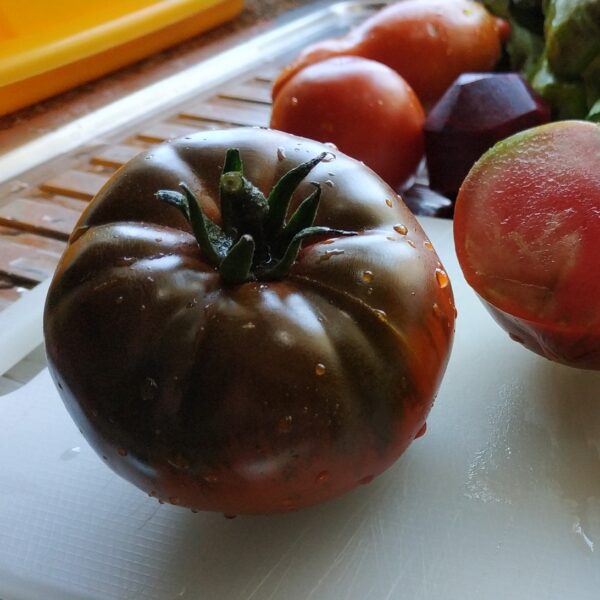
35	221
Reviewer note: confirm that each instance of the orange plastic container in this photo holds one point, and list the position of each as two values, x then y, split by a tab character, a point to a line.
48	47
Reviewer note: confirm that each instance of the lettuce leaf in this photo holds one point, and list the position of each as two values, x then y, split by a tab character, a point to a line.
555	45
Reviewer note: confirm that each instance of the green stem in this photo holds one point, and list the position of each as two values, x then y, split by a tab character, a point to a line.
237	265
281	194
211	239
282	266
246	210
254	242
303	217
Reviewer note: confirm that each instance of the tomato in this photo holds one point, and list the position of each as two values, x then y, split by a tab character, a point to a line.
363	107
212	378
429	42
527	232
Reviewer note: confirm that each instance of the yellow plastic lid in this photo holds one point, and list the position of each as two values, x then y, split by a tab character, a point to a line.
48	47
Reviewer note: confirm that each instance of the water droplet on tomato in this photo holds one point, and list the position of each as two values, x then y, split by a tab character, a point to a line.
122	452
288	504
149	389
401	229
329	253
179	462
320	369
432	30
323	476
442	278
284	425
421	431
366	480
380	314
294	101
281	153
367	276
437	310
389	202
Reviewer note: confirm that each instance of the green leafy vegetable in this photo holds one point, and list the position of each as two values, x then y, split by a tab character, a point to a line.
555	44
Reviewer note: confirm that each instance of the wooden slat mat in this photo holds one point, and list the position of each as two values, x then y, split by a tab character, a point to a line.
35	222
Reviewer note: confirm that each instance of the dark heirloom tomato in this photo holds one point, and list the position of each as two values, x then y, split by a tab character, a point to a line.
267	395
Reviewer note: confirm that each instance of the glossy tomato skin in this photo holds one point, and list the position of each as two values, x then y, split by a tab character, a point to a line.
363	107
571	347
428	42
251	398
527	231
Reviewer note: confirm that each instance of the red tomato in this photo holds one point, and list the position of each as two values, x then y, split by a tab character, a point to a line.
527	233
363	107
429	42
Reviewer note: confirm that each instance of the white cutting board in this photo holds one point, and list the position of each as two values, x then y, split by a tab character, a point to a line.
499	500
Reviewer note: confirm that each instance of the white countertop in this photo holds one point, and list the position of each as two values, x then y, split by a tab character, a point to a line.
500	499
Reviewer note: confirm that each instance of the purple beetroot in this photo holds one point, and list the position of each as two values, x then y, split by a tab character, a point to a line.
478	110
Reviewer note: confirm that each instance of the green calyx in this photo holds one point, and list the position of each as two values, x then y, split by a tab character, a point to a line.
255	241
